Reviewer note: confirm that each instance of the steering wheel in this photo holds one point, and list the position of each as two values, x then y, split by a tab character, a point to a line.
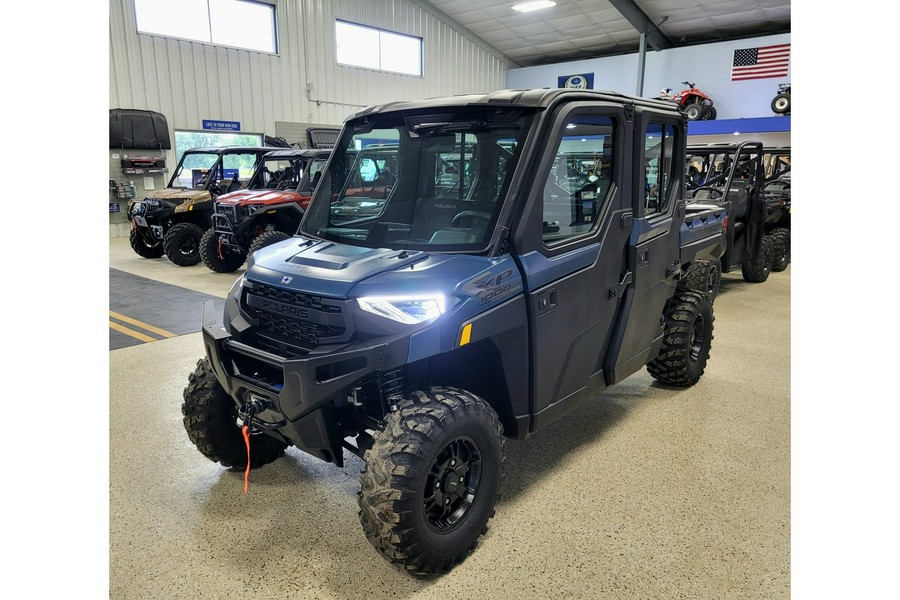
470	214
715	193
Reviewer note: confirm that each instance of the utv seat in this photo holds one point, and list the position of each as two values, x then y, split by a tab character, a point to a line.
227	186
453	235
432	214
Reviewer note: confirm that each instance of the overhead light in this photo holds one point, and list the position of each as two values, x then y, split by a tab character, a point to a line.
530	6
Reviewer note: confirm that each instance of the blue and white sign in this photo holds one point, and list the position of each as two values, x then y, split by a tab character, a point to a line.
581	81
221	125
114	207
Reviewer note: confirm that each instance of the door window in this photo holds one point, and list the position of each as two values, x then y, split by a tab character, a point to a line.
659	168
580	178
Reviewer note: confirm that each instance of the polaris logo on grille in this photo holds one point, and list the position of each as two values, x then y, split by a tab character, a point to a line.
281	308
287	279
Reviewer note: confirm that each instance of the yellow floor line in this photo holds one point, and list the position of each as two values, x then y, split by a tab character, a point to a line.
131	332
142	325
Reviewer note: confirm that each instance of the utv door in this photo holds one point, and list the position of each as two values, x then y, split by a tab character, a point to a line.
571	241
653	252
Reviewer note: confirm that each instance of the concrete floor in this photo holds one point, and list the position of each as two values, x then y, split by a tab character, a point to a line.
644	493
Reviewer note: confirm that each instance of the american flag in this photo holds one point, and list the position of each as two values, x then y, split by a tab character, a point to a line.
761	63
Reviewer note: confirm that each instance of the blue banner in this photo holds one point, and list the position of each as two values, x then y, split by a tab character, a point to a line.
222	125
580	81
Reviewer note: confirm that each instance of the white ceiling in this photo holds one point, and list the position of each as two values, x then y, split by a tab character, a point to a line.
579	29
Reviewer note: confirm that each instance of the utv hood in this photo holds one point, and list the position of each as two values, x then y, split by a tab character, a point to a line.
250	197
186	195
334	270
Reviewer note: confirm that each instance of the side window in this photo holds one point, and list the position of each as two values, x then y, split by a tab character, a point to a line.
580	178
659	168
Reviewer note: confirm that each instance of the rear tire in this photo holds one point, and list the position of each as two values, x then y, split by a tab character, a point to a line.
267	238
182	244
431	480
221	259
143	247
758	269
686	342
210	419
781	249
781	104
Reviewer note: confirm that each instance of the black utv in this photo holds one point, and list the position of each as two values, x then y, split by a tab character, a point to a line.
468	305
172	221
777	162
731	176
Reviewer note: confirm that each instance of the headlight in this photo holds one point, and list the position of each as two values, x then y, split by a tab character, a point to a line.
405	309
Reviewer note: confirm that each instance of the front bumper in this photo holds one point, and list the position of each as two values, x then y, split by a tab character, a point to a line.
302	393
150	222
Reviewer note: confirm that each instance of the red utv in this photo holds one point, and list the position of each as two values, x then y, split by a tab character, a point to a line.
267	211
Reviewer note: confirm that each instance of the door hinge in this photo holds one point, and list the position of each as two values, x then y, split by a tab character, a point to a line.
674	268
617	290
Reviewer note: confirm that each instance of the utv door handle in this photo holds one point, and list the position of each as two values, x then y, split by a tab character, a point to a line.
546	302
617	290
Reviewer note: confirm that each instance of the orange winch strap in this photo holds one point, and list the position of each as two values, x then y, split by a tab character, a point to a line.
246	431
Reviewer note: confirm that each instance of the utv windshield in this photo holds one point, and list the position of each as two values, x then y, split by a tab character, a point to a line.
202	170
419	180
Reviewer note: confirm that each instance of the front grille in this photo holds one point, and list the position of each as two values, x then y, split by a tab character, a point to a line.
234	212
289	323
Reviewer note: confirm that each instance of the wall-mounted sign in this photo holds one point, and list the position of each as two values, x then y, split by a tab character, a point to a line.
113	207
581	81
221	125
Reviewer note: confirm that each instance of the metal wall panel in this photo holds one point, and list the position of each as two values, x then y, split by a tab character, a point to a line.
189	81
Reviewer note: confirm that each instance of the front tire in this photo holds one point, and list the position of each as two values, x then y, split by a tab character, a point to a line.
219	258
431	480
210	419
693	111
758	269
144	247
687	340
182	244
267	238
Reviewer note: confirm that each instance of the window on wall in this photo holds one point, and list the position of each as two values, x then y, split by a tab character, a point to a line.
659	174
244	24
370	48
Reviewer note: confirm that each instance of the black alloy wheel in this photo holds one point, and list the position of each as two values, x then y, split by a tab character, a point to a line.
453	482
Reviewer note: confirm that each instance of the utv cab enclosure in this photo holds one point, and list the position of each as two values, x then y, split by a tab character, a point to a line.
468	307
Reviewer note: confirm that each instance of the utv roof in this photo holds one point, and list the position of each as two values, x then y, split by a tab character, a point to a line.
231	150
286	153
531	98
721	147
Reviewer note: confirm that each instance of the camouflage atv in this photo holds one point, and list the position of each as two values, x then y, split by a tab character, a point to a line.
172	221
